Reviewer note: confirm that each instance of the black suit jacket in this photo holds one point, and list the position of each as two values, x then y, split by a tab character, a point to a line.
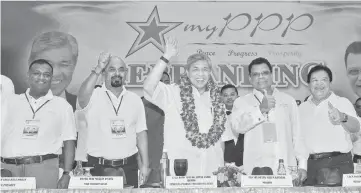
71	99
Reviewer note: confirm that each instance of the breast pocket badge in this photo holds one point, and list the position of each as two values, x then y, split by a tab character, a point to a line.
117	128
31	129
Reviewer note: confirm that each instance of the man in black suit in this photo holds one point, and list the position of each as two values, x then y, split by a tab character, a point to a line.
61	50
233	152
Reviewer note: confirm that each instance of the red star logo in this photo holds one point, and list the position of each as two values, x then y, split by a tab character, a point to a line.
152	31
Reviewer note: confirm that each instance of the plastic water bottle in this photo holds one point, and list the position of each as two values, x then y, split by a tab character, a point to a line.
164	163
358	167
281	168
78	171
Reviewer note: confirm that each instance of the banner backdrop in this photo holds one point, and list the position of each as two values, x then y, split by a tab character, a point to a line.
293	36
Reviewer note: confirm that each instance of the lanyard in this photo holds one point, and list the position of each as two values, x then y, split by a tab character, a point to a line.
115	110
34	112
260	104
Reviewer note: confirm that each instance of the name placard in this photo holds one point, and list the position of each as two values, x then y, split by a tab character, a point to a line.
351	180
267	181
191	182
96	182
15	183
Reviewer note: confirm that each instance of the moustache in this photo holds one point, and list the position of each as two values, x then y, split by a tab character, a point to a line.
116	77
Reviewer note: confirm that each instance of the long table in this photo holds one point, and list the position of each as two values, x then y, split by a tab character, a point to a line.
216	190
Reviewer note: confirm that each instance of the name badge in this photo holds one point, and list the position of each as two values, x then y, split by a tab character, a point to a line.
31	129
269	132
173	182
16	183
266	181
117	128
96	182
351	180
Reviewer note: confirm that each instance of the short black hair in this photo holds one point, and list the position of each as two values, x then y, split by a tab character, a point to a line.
41	61
166	73
353	48
258	61
317	68
357	100
229	86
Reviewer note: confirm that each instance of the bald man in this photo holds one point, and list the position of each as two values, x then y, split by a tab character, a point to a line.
117	128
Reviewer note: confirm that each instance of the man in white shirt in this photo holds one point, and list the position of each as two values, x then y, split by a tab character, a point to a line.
116	124
269	119
38	124
7	86
327	122
194	113
233	148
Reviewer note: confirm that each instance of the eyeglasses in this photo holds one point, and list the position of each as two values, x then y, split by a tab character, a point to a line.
257	74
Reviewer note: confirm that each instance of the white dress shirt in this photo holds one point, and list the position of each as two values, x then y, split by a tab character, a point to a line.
56	124
258	153
319	135
200	161
99	112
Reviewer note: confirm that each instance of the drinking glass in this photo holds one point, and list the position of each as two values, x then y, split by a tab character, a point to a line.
295	176
180	167
87	171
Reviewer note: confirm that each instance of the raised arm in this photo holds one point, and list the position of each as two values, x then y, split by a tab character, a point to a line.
151	82
87	87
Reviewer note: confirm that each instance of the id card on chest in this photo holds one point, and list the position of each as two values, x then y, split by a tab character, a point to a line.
117	128
31	129
269	131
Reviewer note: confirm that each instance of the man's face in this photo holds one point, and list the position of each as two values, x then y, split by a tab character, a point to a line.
229	95
261	76
40	77
63	64
115	72
358	107
199	74
165	79
353	72
319	84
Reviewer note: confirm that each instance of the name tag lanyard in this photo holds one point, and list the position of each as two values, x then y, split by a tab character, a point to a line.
260	104
34	112
115	110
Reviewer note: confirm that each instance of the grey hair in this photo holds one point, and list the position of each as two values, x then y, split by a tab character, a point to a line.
51	40
198	57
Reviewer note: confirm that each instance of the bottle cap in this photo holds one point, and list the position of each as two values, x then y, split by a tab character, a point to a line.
281	160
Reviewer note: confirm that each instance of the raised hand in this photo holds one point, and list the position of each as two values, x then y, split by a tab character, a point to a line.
268	102
171	48
103	60
334	114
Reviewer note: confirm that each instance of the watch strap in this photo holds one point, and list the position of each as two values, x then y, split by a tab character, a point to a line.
164	59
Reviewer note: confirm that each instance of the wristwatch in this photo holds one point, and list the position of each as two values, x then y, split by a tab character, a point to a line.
66	173
345	118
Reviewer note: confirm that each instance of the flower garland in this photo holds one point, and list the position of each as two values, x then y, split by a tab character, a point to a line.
189	117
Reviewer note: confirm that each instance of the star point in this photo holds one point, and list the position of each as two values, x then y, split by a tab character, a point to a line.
151	31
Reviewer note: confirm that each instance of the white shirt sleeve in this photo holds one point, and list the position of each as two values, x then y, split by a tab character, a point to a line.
244	116
81	125
298	140
69	130
141	124
162	95
347	107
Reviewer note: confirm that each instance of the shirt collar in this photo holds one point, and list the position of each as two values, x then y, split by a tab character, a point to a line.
48	95
332	95
196	92
260	95
110	92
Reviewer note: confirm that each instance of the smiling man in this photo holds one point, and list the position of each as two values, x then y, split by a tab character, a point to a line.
327	120
61	50
38	124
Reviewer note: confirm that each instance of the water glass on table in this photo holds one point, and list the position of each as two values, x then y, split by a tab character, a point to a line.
180	167
295	176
